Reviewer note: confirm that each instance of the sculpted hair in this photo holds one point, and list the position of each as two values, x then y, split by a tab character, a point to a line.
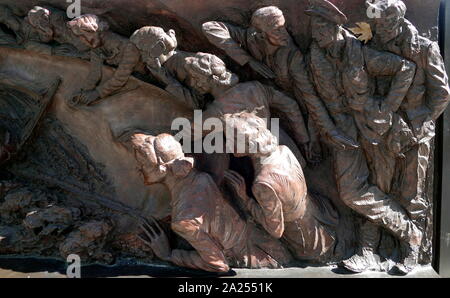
254	129
143	147
266	17
212	67
389	7
155	151
147	37
156	154
38	14
87	23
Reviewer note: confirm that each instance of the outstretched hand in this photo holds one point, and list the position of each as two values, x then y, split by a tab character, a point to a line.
155	237
237	183
313	158
85	97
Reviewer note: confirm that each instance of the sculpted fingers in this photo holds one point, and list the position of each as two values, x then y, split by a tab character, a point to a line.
232	179
149	231
156	226
144	240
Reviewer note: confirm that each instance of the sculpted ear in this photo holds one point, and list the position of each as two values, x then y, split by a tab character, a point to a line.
182	167
162	169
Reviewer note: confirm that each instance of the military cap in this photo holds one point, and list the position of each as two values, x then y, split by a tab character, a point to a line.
326	10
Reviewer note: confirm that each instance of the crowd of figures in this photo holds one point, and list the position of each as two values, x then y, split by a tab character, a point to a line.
373	105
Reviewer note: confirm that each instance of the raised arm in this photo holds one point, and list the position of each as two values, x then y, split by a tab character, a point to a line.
290	110
232	39
304	91
388	64
130	58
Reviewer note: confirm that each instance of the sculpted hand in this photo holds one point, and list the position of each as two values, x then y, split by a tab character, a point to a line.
237	184
262	69
86	97
156	239
341	141
308	152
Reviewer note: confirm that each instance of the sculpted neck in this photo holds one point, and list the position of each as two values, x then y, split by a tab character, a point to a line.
164	58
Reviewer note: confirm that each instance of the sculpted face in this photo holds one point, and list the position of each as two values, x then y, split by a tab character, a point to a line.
39	19
161	50
277	34
388	26
323	32
170	41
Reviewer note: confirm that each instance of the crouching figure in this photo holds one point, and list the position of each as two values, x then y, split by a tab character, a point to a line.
281	203
220	237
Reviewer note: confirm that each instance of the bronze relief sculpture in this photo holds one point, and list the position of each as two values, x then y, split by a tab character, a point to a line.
362	113
201	215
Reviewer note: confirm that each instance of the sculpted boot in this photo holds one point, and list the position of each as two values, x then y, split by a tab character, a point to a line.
410	237
365	259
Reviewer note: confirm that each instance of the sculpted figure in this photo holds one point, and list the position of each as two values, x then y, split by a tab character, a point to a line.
281	202
200	214
342	69
209	75
108	47
166	63
425	101
268	48
40	27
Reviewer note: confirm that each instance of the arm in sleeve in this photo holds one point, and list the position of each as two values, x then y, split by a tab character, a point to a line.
184	95
130	58
289	108
267	210
8	18
231	39
437	82
95	71
304	90
207	255
388	64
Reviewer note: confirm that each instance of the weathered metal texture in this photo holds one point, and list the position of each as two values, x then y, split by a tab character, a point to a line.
139	104
98	127
186	17
444	249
